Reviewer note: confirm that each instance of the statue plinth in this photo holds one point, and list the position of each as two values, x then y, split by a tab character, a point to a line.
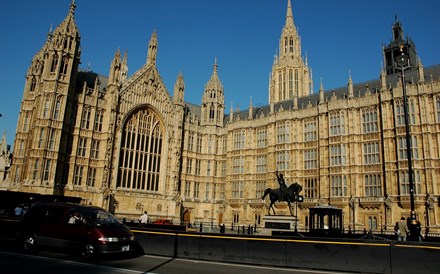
278	223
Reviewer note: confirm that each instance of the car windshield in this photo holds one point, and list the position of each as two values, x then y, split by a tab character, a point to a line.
98	217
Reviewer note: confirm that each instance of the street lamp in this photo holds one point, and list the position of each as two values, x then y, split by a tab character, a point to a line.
402	62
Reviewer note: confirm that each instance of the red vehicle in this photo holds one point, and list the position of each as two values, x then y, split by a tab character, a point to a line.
163	222
66	226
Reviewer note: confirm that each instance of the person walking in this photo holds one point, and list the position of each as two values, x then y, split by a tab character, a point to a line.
403	229
144	218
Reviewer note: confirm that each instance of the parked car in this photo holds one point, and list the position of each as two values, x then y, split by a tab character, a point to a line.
90	230
163	222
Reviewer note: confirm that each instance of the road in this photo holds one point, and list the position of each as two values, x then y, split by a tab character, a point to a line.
14	261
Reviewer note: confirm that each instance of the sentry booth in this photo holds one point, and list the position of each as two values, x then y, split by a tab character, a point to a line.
325	220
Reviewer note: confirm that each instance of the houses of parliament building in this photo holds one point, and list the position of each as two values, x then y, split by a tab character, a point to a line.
128	144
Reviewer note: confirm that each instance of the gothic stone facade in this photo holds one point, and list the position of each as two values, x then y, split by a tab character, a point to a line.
124	143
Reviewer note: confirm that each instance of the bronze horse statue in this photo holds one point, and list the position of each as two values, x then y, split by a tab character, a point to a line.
288	195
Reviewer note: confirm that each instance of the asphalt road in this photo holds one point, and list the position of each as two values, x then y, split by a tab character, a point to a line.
12	260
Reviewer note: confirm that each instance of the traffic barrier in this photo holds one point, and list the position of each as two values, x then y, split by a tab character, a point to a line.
362	255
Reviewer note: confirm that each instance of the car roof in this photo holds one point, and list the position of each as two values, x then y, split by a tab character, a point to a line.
66	205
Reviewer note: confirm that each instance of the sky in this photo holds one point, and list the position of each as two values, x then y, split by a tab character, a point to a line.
338	37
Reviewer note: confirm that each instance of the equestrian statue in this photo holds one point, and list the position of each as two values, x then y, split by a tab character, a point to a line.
283	193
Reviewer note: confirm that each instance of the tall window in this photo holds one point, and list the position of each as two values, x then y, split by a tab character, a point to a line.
311	188
33	84
46	109
141	152
199	144
196	189
369	121
207	191
237	190
337	155
373	186
337	124
98	120
36	168
260	188
85	121
261	164
198	163
261	137
78	174
338	186
82	145
91	177
404	183
310	131
56	113
52	134
310	159
372	223
26	123
189	166
94	150
187	189
53	67
41	138
283	133
371	153
401	146
190	141
290	83
238	165
282	160
47	170
239	139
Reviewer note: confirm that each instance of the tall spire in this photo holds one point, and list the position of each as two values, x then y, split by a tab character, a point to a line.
152	49
214	83
289	16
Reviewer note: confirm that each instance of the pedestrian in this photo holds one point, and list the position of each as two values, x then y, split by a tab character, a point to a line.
419	231
144	218
403	229
18	211
396	230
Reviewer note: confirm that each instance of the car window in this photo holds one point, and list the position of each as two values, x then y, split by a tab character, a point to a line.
98	217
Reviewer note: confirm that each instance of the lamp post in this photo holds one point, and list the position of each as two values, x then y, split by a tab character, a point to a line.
402	61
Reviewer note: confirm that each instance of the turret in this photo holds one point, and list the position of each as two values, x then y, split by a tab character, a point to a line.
213	101
420	71
179	90
350	86
321	93
115	69
251	110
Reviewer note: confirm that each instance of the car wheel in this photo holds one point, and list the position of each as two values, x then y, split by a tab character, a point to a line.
88	251
30	244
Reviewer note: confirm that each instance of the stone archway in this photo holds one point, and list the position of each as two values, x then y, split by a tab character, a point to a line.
187	217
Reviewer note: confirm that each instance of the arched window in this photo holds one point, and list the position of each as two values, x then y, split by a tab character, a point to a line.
141	151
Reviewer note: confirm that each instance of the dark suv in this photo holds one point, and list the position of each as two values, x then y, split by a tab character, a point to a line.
88	229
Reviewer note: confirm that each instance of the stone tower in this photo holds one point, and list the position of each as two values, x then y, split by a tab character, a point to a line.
290	77
47	113
391	51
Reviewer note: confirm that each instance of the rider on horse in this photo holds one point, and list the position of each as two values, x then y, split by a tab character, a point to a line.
282	183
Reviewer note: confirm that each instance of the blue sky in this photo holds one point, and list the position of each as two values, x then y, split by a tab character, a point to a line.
337	36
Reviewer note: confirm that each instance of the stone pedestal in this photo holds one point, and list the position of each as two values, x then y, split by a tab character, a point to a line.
278	223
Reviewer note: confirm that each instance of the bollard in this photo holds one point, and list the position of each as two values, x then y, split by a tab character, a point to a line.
249	230
243	230
201	227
